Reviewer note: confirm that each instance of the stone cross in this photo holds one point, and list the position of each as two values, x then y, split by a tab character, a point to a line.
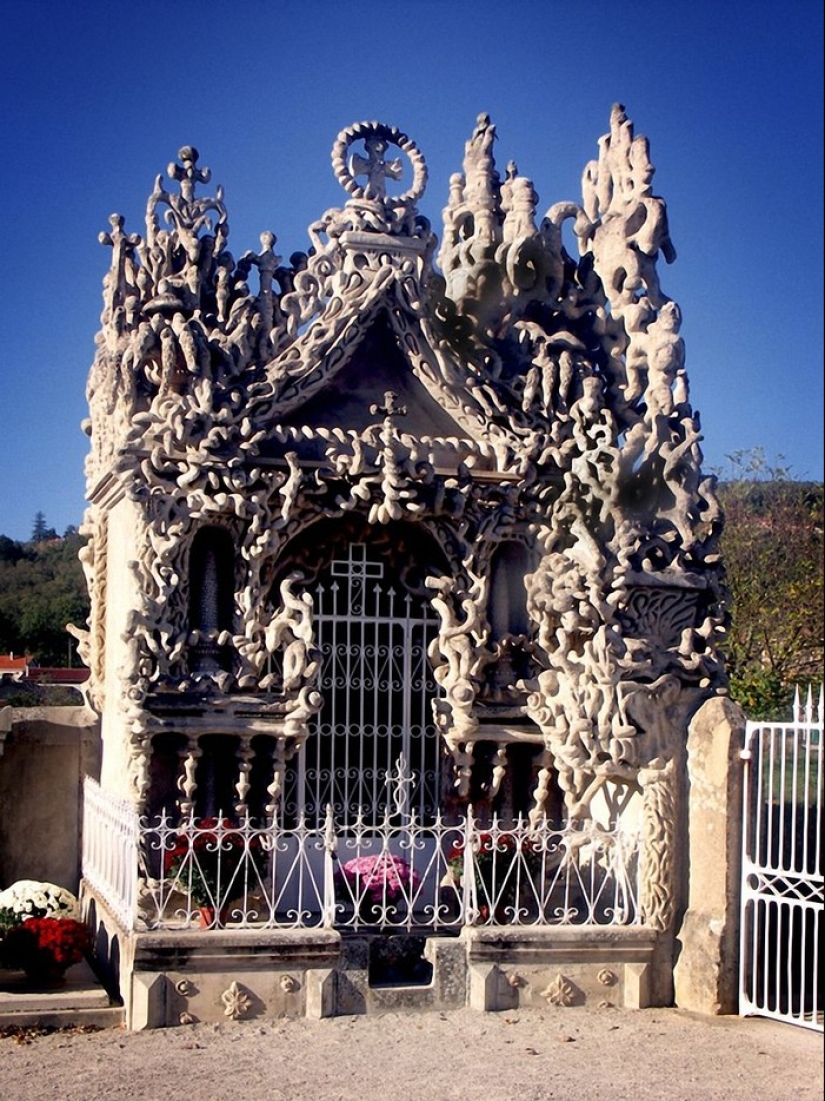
187	172
390	408
375	168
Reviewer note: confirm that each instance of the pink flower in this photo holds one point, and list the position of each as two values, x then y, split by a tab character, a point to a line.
380	877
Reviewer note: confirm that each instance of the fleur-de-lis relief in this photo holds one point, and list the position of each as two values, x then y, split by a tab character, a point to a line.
236	1002
559	992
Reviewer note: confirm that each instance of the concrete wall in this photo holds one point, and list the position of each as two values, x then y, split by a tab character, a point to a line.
45	752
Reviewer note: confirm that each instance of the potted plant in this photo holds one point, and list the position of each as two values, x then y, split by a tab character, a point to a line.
494	859
9	920
376	884
204	862
34	898
44	947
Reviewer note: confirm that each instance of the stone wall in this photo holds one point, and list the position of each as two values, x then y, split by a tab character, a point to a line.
45	752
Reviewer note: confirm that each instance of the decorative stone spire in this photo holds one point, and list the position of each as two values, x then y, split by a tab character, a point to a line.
630	222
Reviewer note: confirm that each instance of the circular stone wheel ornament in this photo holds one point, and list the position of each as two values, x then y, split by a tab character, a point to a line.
380	133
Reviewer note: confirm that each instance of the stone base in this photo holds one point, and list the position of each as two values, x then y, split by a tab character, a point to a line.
169	978
195	975
510	967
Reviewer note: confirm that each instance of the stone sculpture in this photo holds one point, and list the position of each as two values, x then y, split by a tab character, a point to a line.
539	401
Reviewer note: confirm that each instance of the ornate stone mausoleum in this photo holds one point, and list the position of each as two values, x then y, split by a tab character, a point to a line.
405	539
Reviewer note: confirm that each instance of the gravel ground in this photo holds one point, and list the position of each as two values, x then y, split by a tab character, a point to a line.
528	1055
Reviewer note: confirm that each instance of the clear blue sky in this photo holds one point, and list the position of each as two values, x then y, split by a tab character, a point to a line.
97	99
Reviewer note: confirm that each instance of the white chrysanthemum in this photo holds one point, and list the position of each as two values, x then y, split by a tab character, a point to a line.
31	898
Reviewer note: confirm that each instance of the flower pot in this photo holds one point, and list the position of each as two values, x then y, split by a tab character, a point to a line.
210	918
369	913
45	976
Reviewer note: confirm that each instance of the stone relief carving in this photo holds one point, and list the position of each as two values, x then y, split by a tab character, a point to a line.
567	428
236	1002
559	992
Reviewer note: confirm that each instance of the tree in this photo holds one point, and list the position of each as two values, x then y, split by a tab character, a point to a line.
10	549
772	549
42	588
39	530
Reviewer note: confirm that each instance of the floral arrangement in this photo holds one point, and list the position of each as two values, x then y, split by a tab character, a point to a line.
8	920
205	857
45	945
29	898
380	879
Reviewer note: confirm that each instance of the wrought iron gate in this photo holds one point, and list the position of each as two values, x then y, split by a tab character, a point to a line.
377	686
782	874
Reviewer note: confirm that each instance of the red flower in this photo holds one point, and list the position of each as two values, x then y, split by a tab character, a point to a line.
60	941
207	853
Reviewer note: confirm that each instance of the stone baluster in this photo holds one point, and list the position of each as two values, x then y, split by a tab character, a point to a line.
499	769
242	787
276	786
187	785
539	809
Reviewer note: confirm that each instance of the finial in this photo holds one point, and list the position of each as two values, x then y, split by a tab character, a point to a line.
377	137
187	172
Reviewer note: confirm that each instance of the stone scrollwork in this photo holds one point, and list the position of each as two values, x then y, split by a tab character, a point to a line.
458	654
657	902
290	631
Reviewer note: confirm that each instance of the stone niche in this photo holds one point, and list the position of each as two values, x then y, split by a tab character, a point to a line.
489	429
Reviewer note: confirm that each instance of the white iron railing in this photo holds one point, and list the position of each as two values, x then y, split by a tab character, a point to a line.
782	873
111	842
398	873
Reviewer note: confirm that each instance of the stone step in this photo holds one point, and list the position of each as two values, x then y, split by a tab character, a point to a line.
81	1001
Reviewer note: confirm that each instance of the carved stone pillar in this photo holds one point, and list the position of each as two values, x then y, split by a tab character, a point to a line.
658	863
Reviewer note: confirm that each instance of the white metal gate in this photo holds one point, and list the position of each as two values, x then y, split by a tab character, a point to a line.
377	686
782	874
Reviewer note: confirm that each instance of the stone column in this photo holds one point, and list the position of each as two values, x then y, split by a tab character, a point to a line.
707	970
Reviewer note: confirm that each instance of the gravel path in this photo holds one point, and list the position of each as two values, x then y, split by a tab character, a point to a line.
528	1055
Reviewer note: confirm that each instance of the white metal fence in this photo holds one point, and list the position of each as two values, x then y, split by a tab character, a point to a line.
111	842
782	873
397	873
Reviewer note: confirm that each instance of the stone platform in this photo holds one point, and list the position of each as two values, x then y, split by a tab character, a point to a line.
81	1001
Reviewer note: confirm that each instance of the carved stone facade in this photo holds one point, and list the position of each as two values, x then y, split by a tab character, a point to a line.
505	425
